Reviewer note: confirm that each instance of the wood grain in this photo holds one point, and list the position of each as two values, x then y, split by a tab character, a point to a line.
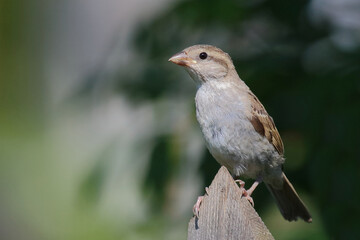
225	215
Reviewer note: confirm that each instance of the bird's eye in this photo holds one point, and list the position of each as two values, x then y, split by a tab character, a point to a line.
203	55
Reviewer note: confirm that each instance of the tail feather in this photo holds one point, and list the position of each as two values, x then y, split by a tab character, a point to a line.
289	202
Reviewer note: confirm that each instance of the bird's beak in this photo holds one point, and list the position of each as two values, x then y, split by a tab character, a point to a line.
182	59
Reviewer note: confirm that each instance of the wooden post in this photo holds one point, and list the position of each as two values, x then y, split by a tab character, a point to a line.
224	215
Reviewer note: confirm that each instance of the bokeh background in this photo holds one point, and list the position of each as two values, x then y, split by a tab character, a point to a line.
98	136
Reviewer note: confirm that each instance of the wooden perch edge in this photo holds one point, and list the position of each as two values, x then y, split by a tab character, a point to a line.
225	215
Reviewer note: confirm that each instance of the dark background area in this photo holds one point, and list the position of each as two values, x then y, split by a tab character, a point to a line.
301	58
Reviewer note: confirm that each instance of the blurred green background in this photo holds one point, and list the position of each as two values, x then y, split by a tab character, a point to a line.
98	133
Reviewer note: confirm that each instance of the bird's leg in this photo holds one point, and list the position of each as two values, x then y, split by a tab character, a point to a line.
252	188
196	207
244	192
247	193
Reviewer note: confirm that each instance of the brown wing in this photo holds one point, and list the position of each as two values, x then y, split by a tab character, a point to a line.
264	124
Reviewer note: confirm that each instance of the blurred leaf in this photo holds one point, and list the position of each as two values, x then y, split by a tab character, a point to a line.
162	166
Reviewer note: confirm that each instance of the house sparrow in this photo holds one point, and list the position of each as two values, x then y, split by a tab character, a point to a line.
238	131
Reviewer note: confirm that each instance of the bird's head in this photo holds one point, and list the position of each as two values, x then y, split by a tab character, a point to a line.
204	62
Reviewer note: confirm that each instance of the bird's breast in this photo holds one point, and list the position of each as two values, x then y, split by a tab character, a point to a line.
229	135
225	128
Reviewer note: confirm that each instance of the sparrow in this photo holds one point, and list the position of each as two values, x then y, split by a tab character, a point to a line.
237	129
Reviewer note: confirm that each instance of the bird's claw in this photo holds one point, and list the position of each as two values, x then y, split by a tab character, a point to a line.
245	192
241	183
248	197
196	207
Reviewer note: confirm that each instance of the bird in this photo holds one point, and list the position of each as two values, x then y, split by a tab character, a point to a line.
238	131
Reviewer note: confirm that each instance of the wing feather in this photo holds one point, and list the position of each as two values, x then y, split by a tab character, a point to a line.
264	124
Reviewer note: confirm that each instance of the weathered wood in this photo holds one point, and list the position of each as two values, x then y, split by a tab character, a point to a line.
224	215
